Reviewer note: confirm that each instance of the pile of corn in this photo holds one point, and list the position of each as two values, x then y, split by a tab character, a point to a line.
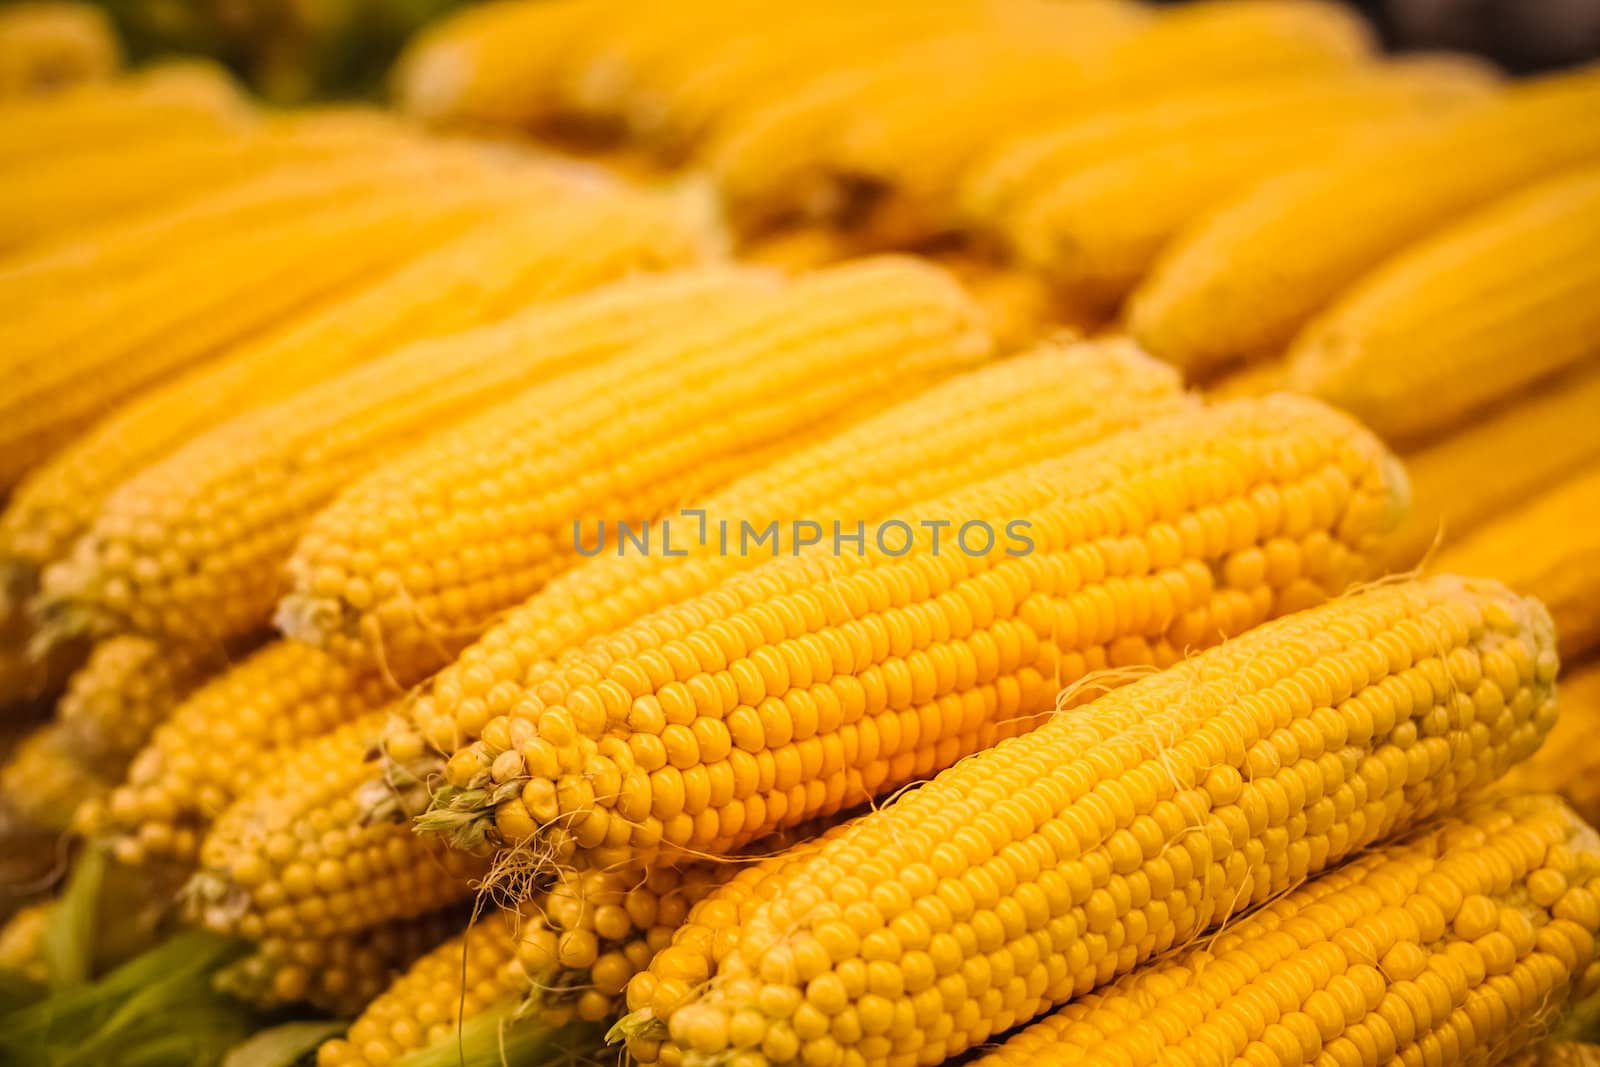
1037	531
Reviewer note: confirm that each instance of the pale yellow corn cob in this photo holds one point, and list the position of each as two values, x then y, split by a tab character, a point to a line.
1550	548
951	435
1486	307
1241	284
289	458
21	938
339	975
557	244
70	369
836	344
1253	379
1569	763
42	783
817	682
1493	465
47	45
1059	861
1461	945
161	101
223	739
126	688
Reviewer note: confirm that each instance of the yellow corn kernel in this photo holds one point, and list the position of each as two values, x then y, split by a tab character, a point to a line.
128	687
21	940
1568	762
954	434
553	246
1486	307
223	739
1494	464
42	782
47	45
288	459
831	347
1383	955
339	975
1242	283
1103	196
292	856
829	677
1548	548
469	974
166	100
1048	867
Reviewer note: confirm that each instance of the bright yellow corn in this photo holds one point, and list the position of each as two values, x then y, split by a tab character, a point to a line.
1483	309
951	435
1548	548
339	975
1098	200
127	688
166	100
46	46
43	783
462	978
1494	464
814	683
1241	284
70	368
1569	762
1460	945
272	468
556	245
1123	828
292	857
377	578
222	740
21	938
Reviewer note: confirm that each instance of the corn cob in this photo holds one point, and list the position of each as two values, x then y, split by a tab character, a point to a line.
163	101
828	679
42	783
1094	224
337	975
127	688
1485	308
21	939
1568	763
290	457
47	46
221	740
1243	283
948	436
1461	945
466	976
1059	861
70	369
1490	467
291	857
1251	379
838	344
553	247
1549	548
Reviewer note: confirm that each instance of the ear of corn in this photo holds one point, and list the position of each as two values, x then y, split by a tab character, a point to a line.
559	244
1548	548
288	459
126	688
837	344
1460	945
1489	305
42	782
292	856
1495	463
48	45
339	975
221	740
167	100
953	434
1059	861
1244	282
21	940
827	679
1569	763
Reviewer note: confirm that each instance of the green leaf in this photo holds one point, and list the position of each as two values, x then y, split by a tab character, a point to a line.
281	1046
67	944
